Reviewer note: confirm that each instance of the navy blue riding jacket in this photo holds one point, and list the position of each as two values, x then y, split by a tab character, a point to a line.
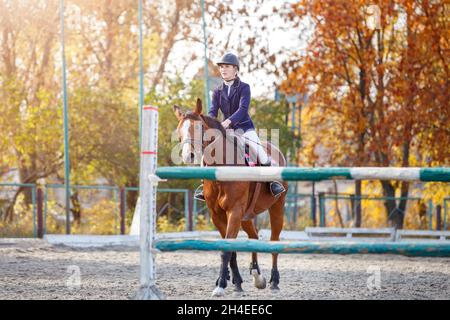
235	106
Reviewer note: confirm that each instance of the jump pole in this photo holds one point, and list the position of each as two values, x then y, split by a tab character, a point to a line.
407	248
305	174
424	249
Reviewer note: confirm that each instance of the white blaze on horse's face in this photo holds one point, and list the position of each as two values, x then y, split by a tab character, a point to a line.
190	132
187	153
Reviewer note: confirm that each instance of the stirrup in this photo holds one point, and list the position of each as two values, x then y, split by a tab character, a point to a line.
198	193
199	196
278	192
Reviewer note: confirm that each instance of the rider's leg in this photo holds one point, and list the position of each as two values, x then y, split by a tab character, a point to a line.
198	193
253	140
276	188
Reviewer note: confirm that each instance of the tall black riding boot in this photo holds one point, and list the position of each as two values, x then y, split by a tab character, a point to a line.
276	187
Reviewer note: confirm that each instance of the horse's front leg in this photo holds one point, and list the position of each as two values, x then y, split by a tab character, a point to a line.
233	225
224	275
258	279
219	219
276	222
237	279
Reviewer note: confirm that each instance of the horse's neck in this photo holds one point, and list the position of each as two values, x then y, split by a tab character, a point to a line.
226	145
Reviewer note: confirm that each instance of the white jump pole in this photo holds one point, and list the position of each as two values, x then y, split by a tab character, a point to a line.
147	192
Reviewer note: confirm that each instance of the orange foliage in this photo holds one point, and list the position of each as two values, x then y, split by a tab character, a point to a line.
383	93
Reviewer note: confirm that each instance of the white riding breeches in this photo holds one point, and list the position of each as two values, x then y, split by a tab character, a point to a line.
255	143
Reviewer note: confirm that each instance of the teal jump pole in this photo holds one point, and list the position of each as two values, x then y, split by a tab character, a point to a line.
225	173
419	249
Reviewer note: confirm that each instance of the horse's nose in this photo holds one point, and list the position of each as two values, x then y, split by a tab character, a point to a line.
189	158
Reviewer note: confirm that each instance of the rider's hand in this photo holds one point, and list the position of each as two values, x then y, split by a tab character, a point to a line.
226	123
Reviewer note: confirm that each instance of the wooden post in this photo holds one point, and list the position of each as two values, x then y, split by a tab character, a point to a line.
40	207
190	201
313	210
438	217
314	205
123	200
295	217
322	209
358	203
355	202
430	215
445	214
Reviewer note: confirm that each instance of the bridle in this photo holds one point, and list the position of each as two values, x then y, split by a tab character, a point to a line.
204	143
192	141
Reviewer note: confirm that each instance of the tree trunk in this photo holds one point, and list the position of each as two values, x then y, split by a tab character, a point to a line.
356	205
336	204
438	217
422	214
169	42
9	212
76	208
395	215
131	200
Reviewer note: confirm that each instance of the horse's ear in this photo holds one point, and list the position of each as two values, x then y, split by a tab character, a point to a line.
198	107
178	112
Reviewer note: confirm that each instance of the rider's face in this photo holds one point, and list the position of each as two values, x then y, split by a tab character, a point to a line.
227	71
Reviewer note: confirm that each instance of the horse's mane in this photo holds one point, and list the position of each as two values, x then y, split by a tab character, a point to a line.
210	121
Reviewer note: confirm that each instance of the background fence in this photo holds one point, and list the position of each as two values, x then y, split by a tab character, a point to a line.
109	210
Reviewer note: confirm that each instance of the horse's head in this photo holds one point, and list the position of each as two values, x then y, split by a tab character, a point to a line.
190	130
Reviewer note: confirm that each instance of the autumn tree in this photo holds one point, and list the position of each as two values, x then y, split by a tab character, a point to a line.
377	94
28	102
101	39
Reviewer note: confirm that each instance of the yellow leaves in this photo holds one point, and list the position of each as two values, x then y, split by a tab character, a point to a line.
373	214
436	191
164	225
391	89
22	223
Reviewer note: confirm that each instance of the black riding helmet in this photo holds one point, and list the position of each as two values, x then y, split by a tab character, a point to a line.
229	58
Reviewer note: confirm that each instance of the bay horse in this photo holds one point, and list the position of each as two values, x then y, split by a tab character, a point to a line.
228	200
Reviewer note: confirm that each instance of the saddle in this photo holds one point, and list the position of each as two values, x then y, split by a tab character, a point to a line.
249	152
251	160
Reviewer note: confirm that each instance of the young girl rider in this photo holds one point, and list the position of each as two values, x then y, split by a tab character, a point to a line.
232	97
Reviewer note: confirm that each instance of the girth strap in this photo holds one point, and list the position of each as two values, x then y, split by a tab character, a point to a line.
250	212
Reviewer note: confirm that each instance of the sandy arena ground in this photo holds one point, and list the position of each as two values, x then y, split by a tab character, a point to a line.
33	269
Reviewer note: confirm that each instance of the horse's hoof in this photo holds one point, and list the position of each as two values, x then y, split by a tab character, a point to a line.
238	293
258	280
218	292
238	289
274	287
